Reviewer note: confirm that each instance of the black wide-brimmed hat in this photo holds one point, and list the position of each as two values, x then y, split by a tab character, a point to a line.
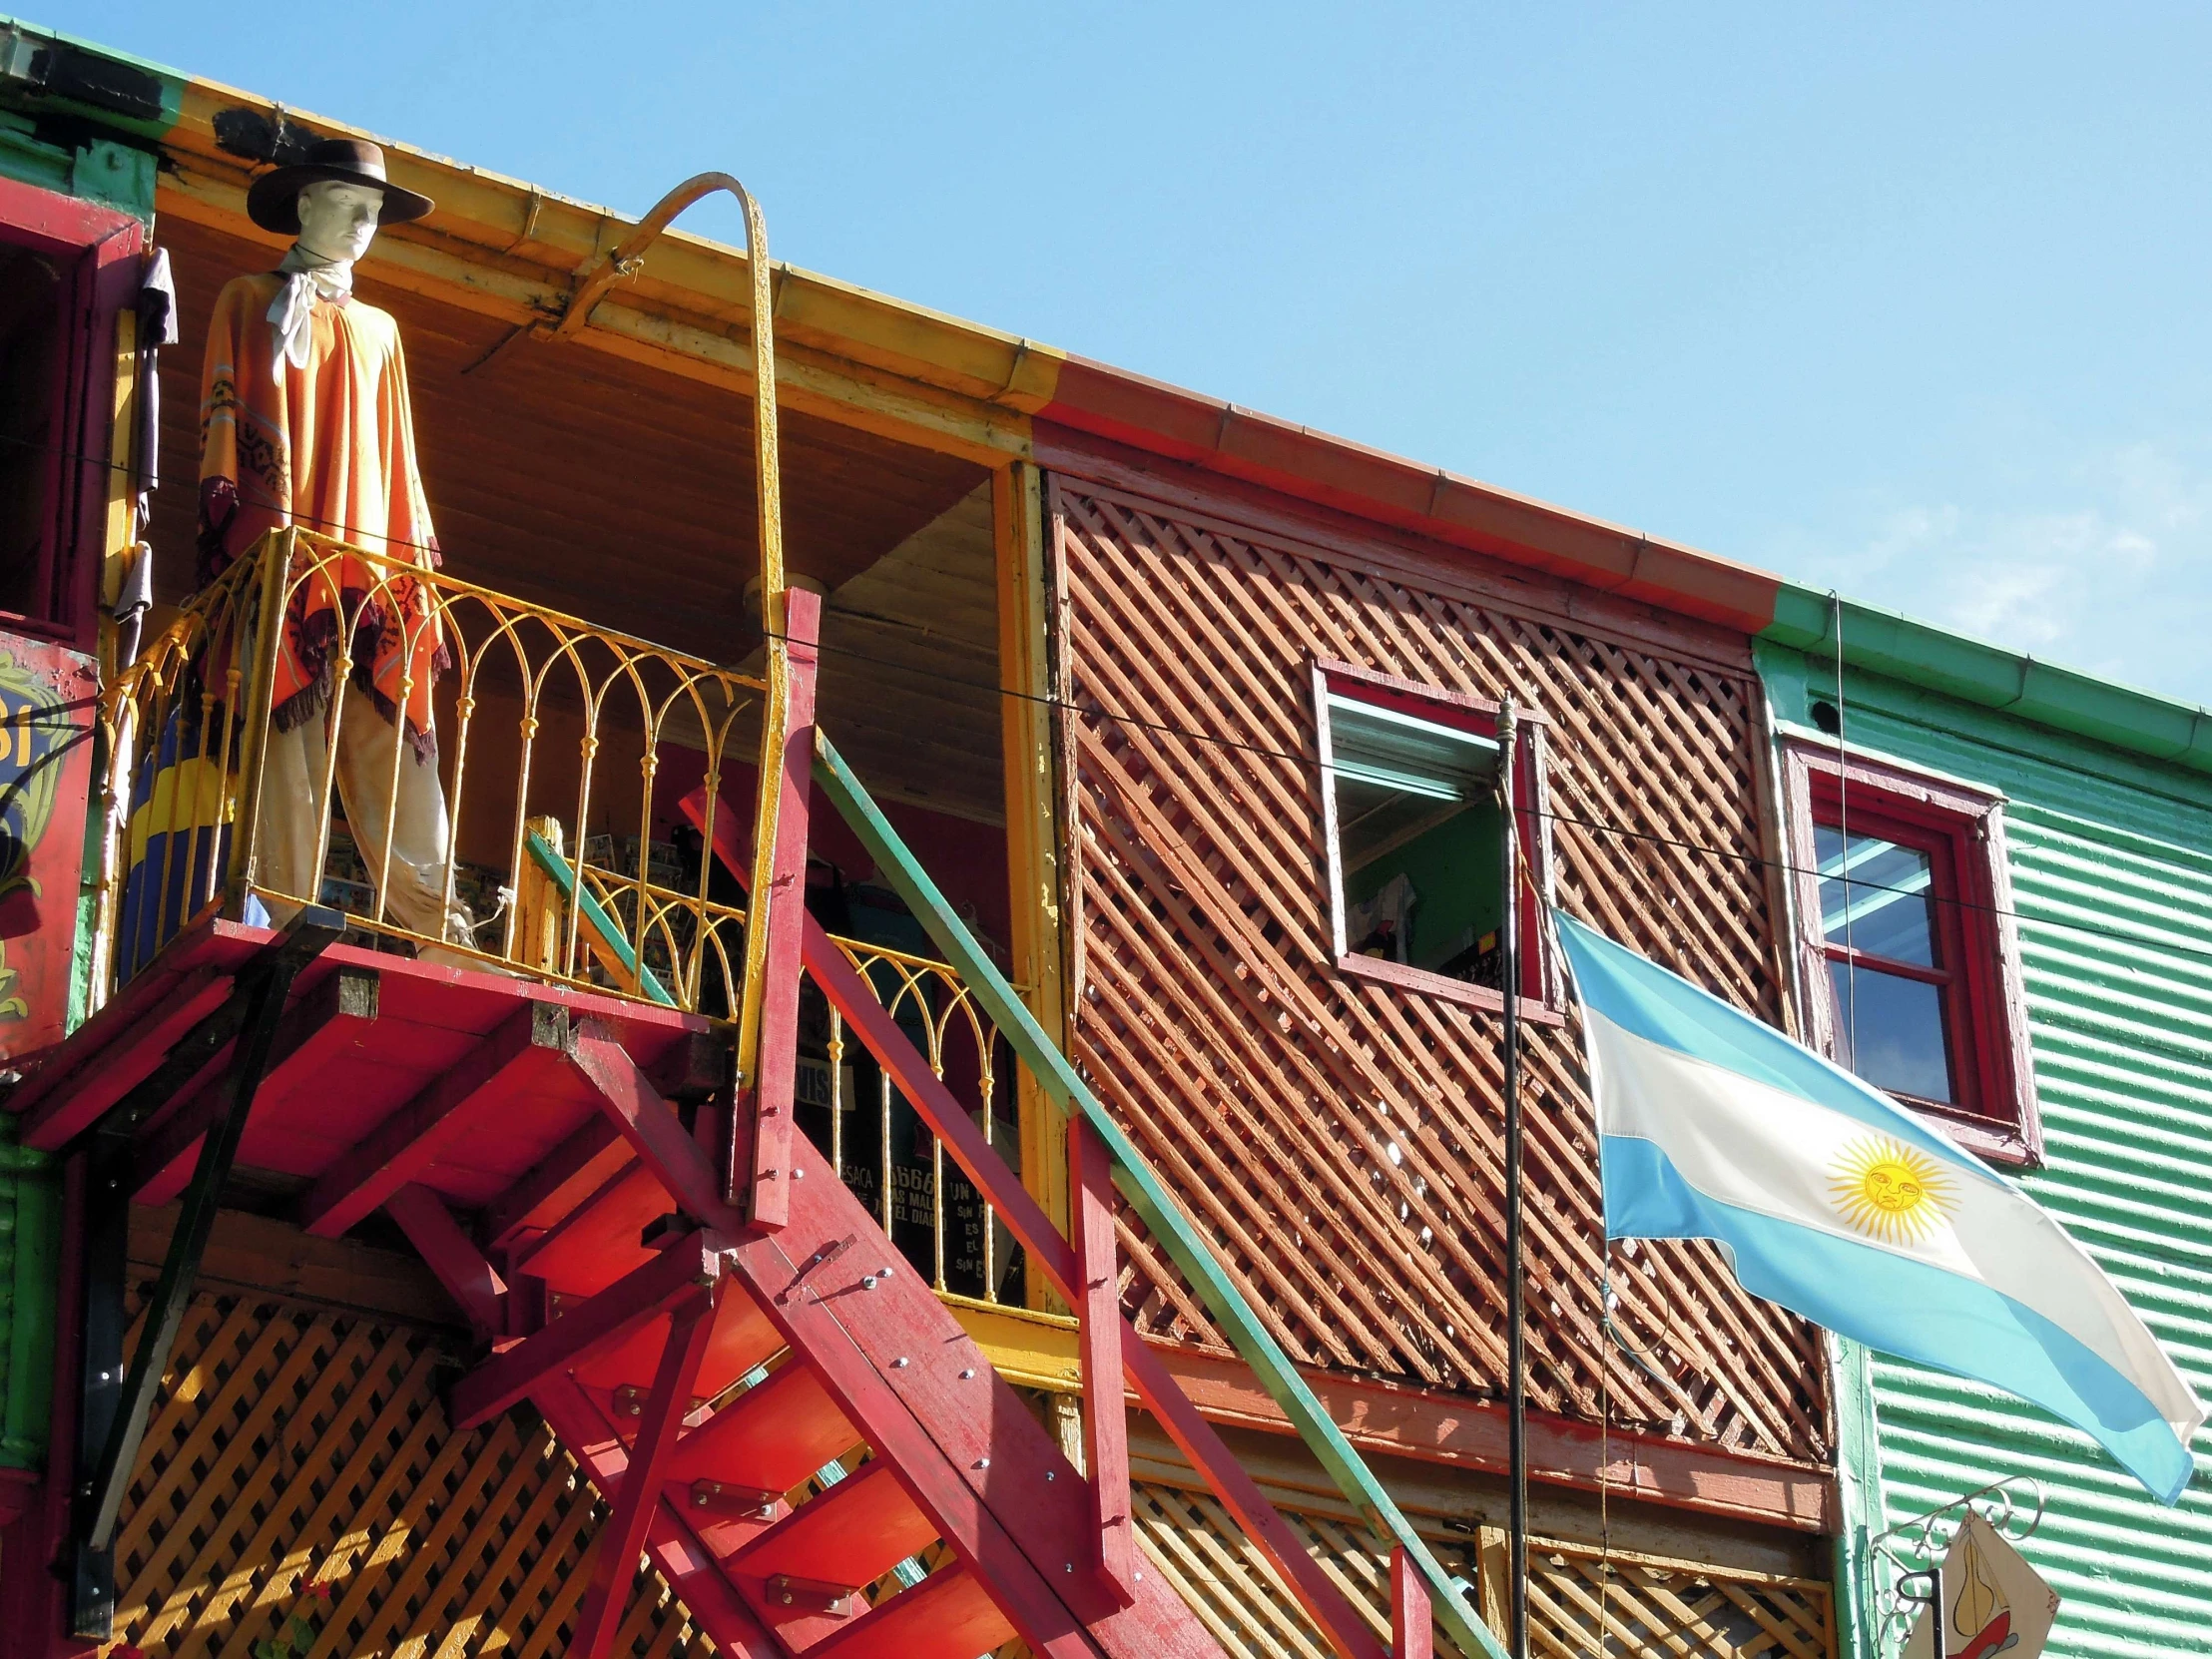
273	200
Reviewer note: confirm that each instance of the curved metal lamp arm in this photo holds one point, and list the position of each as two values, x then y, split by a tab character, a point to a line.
625	260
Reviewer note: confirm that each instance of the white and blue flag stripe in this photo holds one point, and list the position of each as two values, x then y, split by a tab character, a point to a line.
1836	1202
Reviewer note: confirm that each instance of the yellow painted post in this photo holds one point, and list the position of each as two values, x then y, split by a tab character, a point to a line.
776	718
627	257
1032	821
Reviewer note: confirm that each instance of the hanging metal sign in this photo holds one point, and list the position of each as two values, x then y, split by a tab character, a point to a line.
1991	1601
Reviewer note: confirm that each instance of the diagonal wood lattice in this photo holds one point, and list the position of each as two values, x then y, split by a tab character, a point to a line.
1644	1606
296	1446
1341	1142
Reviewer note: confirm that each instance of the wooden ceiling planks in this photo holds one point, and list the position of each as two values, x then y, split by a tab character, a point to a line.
910	669
580	480
1341	1140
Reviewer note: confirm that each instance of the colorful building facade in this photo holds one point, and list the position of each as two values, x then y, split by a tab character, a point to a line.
2071	820
1129	986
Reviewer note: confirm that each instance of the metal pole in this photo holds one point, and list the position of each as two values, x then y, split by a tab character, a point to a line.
1508	978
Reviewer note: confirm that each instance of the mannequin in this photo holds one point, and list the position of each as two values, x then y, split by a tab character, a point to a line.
304	420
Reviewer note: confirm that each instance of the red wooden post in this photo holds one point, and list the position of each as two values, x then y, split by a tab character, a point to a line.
1412	1634
781	910
671	1279
1193	1436
639	1496
1098	1303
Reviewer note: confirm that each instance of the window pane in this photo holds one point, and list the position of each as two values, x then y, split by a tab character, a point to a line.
1890	1030
1877	898
1416	839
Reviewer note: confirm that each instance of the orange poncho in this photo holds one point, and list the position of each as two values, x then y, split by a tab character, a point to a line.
330	447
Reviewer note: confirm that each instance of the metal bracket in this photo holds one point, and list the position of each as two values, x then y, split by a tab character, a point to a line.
1914	1548
726	1502
118	1405
804	1595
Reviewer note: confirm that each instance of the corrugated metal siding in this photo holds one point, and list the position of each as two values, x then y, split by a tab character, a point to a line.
2112	876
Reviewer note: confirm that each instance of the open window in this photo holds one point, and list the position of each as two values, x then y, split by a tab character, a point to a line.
1409	785
1914	980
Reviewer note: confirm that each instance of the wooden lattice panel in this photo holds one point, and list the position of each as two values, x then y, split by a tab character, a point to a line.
293	1448
1341	1142
1645	1606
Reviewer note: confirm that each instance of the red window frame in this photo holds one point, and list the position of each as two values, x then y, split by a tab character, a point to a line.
1961	830
1539	979
99	249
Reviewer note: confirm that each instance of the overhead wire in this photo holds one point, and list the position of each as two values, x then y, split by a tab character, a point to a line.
1093	711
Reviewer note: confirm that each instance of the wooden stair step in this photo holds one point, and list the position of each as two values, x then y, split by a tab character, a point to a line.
851	1534
742	1338
772	1436
596	1242
948	1615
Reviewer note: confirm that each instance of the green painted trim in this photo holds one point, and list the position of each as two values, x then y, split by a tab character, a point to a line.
1886	642
1145	1192
1795	680
156	128
603	925
1858	1492
117	175
116	172
30	1261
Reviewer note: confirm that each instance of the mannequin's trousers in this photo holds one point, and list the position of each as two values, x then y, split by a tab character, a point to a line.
386	791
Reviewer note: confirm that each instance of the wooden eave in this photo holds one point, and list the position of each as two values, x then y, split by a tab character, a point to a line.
512	251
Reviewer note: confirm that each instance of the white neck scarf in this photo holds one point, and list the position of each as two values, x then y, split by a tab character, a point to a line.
292	314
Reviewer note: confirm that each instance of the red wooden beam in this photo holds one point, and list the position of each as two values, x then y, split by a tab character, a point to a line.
615	1563
316	1029
498	1071
73	1100
1194	1437
689	1567
651	1125
1105	1422
449	1252
768	1094
1412	1632
1405	1422
645	1292
124	1026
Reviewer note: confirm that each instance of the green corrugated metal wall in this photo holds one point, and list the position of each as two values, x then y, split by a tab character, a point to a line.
2121	1021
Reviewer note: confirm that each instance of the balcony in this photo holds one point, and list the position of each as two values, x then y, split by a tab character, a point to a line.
563	753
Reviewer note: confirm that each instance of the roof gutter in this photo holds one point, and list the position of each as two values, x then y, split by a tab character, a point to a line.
1316	466
1896	647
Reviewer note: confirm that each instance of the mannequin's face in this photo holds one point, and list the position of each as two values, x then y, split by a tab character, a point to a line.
338	222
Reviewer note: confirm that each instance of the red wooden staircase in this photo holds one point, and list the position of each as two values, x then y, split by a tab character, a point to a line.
778	1410
704	1373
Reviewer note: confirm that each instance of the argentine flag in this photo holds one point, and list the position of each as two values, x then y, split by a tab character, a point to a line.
1836	1202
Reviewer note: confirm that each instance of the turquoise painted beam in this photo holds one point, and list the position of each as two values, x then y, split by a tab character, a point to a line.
602	924
1145	1192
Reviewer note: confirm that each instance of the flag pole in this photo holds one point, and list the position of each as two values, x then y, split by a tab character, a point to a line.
1508	978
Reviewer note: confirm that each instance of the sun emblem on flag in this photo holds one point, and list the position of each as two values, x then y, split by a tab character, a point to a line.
1889	1191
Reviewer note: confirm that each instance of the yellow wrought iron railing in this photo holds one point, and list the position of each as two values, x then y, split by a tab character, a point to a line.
388	757
556	751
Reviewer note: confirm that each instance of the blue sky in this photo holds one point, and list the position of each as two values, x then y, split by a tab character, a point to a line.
1912	302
